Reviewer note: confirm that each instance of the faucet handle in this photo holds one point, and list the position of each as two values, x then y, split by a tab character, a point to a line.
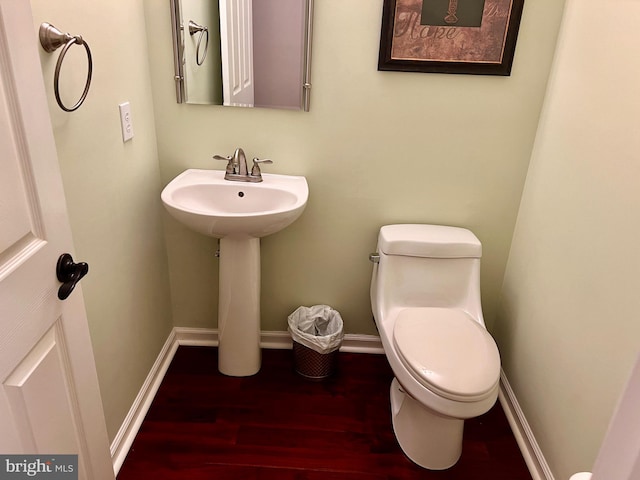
230	166
255	170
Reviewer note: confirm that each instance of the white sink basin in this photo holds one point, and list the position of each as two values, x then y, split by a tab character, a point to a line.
207	203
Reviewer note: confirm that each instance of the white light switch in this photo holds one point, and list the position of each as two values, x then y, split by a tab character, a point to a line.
126	121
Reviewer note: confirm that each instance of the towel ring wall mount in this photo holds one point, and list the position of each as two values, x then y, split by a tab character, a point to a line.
196	28
51	39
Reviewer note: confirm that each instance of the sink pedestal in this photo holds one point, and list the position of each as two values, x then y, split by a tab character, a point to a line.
238	213
239	306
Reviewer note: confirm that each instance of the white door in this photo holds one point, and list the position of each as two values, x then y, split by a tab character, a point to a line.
619	456
49	396
236	45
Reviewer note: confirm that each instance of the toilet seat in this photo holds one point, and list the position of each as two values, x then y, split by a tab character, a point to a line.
448	352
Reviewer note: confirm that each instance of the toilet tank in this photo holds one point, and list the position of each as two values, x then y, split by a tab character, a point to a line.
427	266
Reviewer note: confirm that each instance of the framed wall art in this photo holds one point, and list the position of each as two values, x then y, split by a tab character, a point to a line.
449	36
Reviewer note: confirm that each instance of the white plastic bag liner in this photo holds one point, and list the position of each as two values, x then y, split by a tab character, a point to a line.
319	327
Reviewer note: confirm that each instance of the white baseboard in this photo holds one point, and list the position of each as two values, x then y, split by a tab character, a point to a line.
277	340
196	337
132	422
362	344
538	466
204	337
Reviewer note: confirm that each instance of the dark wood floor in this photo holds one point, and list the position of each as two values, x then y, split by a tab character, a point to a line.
278	426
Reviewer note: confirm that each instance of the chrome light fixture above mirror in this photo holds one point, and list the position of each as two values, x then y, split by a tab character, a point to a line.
245	53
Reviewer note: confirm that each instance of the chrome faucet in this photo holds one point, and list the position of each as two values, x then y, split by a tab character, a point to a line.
237	170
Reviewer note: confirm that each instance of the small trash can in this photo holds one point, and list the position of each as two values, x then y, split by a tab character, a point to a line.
317	333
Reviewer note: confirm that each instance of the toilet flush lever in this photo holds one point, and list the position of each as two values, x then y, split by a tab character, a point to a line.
374	258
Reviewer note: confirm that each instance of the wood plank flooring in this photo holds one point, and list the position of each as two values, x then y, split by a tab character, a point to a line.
276	425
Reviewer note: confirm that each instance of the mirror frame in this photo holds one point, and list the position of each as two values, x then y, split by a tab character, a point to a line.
178	49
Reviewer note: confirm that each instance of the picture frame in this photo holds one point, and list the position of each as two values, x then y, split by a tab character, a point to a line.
475	37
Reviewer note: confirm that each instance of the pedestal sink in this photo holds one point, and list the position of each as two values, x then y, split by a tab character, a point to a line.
239	214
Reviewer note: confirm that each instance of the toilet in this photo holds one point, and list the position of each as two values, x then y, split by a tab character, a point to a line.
425	297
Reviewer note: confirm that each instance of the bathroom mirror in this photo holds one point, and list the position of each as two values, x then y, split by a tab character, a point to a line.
243	53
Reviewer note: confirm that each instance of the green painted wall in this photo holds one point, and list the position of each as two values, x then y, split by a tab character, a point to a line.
112	190
568	320
376	148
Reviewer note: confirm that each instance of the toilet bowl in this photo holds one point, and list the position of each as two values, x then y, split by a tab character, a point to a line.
425	297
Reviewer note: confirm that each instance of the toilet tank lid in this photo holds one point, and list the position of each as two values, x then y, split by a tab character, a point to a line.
432	241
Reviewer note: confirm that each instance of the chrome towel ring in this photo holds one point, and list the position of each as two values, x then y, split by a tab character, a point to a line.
51	39
193	29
